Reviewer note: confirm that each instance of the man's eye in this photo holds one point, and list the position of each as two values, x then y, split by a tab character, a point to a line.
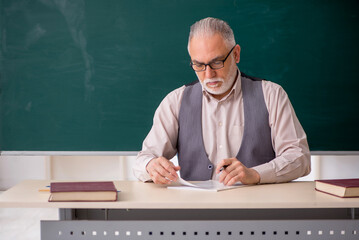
216	63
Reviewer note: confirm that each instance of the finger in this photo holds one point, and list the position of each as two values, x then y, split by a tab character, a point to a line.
223	175
160	163
176	168
156	171
154	163
169	166
229	176
235	170
222	163
235	166
170	170
159	179
165	173
232	181
229	164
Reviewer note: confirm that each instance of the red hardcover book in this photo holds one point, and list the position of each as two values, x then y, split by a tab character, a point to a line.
339	187
83	192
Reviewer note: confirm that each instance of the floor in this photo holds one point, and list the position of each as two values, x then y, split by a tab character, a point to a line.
24	223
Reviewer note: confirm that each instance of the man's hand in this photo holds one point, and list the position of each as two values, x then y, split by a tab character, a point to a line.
162	171
235	171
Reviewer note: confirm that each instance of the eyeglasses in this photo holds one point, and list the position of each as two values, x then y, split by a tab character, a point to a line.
216	64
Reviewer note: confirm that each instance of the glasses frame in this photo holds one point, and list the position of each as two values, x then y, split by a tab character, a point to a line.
209	64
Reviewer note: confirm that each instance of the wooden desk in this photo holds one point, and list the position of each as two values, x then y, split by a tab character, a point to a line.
197	213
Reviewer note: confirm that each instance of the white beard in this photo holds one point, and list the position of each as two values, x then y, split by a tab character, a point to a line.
226	85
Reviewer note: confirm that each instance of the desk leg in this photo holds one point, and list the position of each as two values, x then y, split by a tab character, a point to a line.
67	214
352	213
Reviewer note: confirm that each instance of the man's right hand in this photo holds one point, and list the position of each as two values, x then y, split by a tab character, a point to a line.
162	171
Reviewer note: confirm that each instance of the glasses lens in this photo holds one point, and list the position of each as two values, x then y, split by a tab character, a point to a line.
198	67
216	65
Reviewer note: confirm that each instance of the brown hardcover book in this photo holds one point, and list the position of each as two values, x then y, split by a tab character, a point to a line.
82	192
339	187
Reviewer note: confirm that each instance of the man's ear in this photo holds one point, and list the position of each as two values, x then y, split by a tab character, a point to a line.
237	53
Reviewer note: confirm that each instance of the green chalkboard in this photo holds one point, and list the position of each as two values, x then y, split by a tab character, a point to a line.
87	75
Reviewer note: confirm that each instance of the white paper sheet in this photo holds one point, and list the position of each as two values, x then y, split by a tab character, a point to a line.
209	185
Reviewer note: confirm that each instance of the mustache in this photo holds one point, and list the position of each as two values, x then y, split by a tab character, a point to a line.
210	80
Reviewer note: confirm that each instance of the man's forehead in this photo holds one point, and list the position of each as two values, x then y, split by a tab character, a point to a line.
203	48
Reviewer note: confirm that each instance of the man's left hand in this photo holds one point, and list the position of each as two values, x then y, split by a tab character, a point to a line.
234	171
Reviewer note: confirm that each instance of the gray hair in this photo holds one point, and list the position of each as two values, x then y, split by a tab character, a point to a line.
209	27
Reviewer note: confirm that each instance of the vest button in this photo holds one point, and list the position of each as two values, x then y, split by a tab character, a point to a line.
210	166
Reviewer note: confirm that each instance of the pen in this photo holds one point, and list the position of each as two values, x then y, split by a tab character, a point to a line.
222	168
47	189
44	190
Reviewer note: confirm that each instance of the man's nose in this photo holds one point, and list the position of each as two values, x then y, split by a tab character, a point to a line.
209	72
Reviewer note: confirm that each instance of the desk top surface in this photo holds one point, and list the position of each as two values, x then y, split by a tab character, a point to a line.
138	195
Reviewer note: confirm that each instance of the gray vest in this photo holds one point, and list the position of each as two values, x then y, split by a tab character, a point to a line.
256	147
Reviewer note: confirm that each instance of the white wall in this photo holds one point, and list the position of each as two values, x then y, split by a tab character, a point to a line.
91	168
339	167
14	169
